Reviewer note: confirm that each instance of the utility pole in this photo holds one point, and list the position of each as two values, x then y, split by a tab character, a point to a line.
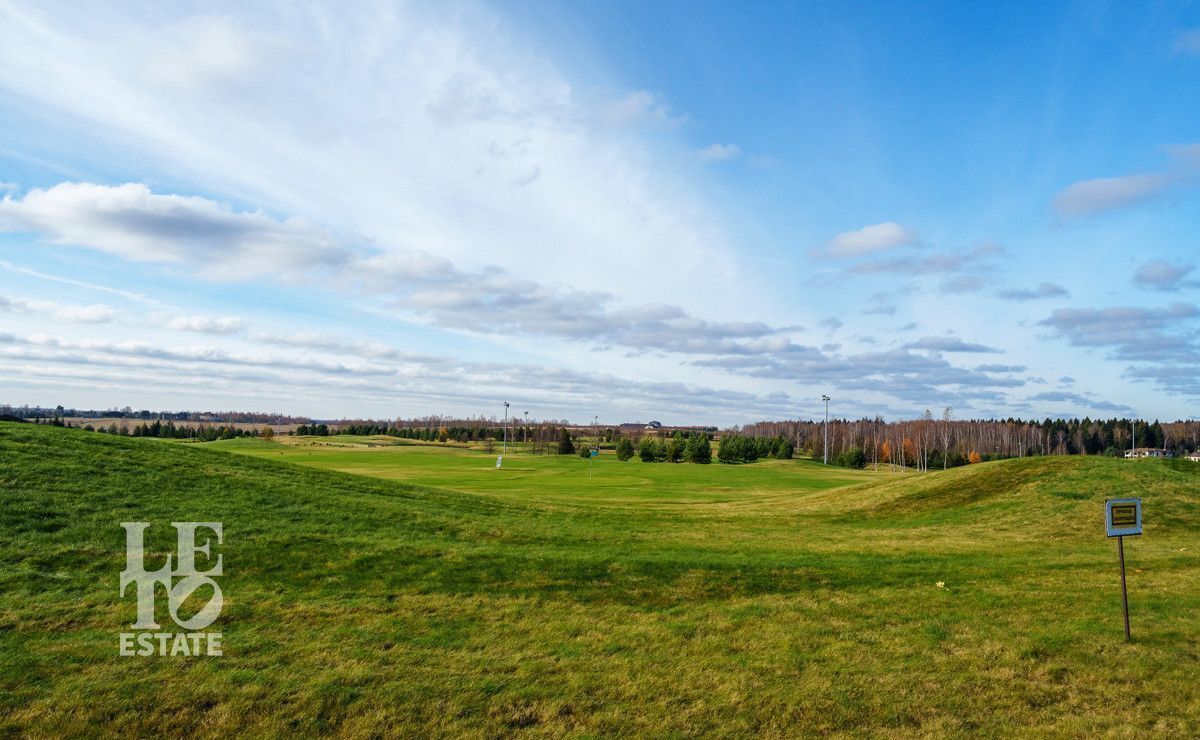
825	398
1133	439
504	450
525	429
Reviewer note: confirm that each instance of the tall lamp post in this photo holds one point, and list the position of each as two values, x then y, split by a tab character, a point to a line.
504	449
525	429
825	398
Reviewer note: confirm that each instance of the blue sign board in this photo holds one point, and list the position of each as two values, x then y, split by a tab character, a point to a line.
1123	516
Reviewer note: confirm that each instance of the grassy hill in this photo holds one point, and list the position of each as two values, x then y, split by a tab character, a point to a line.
771	601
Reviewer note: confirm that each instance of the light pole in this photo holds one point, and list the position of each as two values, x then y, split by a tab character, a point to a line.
504	449
1133	440
525	429
825	398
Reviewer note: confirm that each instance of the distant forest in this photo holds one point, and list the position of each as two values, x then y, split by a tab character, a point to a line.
226	417
936	442
926	443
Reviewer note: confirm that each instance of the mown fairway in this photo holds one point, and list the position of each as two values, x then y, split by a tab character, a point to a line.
563	479
776	599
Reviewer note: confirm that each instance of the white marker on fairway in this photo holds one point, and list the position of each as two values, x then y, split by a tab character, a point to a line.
499	459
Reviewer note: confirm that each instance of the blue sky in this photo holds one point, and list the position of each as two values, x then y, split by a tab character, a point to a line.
695	212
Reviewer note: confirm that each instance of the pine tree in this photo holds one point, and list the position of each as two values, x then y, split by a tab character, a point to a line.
565	445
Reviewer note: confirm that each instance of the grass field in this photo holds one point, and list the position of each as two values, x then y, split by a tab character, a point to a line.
418	591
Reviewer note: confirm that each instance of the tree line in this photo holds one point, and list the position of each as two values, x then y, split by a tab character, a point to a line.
930	442
170	430
42	413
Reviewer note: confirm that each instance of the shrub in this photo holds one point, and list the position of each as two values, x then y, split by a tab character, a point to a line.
585	452
852	458
624	449
649	450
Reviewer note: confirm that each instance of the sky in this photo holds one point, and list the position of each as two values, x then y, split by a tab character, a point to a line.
698	213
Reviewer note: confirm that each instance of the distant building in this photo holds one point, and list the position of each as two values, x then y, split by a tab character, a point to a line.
654	425
1143	452
1194	457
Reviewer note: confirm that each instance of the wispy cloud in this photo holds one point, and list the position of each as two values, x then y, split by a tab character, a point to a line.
1043	290
946	261
1103	194
868	240
94	313
1109	193
949	344
1187	42
718	152
1164	276
641	106
223	244
207	324
1136	333
963	284
1080	401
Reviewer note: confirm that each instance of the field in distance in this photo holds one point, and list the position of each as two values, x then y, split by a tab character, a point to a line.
774	599
561	478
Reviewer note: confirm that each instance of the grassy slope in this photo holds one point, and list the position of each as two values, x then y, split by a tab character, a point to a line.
355	604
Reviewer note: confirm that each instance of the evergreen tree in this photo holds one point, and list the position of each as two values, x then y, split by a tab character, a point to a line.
565	445
698	450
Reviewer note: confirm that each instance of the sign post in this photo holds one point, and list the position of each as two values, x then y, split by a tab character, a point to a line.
1123	517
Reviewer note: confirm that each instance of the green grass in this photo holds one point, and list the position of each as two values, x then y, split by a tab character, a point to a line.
562	479
776	599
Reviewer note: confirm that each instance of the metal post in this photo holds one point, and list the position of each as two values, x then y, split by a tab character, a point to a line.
504	451
525	429
1124	592
825	458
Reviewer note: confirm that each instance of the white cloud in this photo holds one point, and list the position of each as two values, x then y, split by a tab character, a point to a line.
718	152
640	106
204	51
96	313
132	223
869	240
207	324
222	244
